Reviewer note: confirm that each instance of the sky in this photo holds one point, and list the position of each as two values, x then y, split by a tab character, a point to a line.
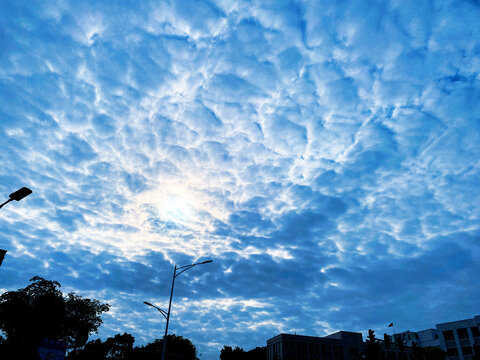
324	154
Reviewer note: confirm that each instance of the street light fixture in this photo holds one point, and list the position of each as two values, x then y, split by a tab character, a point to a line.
2	255
166	314
17	195
161	311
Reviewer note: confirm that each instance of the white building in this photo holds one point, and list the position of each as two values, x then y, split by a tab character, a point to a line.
457	338
423	338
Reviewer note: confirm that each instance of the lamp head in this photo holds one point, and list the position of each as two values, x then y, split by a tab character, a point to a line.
20	194
208	261
2	255
147	303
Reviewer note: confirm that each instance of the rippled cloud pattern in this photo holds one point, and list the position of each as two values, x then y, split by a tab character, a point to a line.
325	155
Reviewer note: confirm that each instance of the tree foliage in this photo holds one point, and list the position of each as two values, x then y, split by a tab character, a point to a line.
434	353
41	311
178	347
372	348
228	353
259	353
119	347
386	340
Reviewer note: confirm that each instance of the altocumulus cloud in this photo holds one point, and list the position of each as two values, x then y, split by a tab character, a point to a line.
324	154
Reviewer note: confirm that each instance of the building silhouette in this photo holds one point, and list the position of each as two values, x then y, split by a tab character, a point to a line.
457	338
422	338
342	345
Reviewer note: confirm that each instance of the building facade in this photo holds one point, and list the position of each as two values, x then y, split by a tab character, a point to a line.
342	345
299	347
458	338
423	338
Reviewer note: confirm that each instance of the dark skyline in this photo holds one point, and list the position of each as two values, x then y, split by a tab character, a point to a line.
325	155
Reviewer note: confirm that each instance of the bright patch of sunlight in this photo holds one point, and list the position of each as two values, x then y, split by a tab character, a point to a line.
176	208
172	203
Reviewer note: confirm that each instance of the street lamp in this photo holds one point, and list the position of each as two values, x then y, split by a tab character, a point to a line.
163	312
17	195
2	255
166	314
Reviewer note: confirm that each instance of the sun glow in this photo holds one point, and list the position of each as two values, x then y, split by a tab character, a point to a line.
174	217
173	204
176	208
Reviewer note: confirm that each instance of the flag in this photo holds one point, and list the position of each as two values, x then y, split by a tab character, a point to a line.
390	325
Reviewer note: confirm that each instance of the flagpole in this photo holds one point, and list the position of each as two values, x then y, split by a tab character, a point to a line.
393	326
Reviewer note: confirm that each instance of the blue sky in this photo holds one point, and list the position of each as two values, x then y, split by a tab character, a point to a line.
324	154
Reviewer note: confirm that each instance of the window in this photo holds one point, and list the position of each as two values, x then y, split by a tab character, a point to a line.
467	350
462	333
448	335
452	352
475	331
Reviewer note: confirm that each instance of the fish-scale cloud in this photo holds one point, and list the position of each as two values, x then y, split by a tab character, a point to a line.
324	154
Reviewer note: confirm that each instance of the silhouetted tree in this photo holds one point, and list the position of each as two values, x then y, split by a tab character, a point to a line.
93	350
386	340
418	352
228	353
259	353
40	311
401	347
119	347
178	348
372	349
434	353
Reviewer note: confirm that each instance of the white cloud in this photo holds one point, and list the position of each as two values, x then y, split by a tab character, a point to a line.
301	142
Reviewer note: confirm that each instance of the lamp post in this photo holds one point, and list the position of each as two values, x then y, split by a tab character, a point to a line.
166	314
2	255
17	196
